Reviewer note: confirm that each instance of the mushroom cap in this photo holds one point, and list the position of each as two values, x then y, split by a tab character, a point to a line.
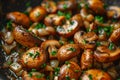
25	38
33	58
95	74
72	70
19	18
103	54
68	51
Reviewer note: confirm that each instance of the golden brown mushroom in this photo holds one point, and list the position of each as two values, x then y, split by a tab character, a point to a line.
40	29
115	37
70	71
86	40
103	54
19	18
33	58
97	6
67	52
33	76
95	74
54	19
37	14
51	46
50	6
87	59
25	38
66	5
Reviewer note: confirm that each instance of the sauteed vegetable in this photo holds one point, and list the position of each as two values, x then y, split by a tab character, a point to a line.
63	40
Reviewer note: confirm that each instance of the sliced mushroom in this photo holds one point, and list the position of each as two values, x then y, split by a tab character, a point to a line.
86	40
54	19
51	46
103	54
69	71
113	12
97	6
37	14
19	18
25	38
33	58
68	29
42	30
50	6
67	52
95	74
87	59
66	5
115	36
33	76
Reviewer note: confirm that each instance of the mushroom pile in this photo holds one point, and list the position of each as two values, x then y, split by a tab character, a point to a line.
63	40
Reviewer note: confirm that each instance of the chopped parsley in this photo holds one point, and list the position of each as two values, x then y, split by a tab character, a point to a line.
36	55
65	6
99	19
66	14
67	77
40	25
43	65
9	25
30	54
71	41
40	75
90	77
72	49
118	78
61	42
71	22
98	43
54	53
28	4
30	74
33	70
56	71
76	71
111	46
86	6
79	6
67	62
84	41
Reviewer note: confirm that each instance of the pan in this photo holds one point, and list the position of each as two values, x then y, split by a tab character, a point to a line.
20	5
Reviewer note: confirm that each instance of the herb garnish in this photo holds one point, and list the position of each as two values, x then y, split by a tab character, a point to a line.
72	49
54	53
40	25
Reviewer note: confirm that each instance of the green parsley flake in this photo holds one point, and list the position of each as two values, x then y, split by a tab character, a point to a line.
72	49
9	25
33	70
40	75
71	41
39	26
67	77
36	55
56	71
30	74
66	14
77	71
65	6
90	77
67	62
43	65
30	54
99	18
111	46
54	53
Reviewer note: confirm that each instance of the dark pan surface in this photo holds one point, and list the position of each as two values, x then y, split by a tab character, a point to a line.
20	5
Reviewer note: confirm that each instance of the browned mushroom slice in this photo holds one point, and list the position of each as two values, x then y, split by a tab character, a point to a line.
33	76
95	74
41	30
19	18
70	71
68	29
68	51
54	19
37	14
50	6
97	6
33	58
86	40
113	12
66	5
52	46
87	59
115	37
103	54
25	38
